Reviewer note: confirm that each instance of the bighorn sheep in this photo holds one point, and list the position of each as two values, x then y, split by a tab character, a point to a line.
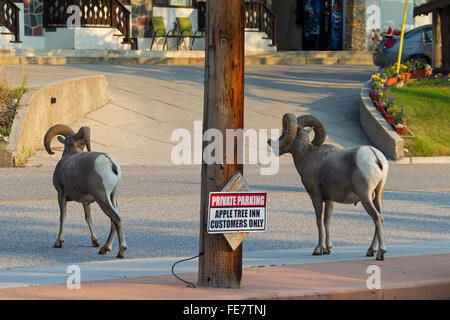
86	177
331	174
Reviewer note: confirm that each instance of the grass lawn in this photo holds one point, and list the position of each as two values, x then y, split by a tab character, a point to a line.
427	106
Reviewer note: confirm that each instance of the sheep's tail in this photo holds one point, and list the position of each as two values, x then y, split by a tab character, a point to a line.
113	165
380	165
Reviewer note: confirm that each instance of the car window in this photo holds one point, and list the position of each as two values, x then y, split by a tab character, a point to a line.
428	36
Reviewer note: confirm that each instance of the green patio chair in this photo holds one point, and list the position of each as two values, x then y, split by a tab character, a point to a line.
159	31
186	31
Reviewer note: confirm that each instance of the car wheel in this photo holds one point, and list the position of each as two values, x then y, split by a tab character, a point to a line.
420	57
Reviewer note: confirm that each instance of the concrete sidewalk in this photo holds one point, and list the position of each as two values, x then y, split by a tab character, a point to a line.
410	271
413	277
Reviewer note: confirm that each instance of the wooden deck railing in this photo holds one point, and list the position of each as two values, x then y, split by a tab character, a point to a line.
9	18
94	14
257	16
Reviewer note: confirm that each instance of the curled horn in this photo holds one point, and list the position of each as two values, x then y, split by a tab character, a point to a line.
85	134
289	131
58	129
320	133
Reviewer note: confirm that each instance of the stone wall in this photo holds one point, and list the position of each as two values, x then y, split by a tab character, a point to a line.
355	25
141	13
33	11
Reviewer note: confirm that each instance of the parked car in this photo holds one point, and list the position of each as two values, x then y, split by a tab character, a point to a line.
417	44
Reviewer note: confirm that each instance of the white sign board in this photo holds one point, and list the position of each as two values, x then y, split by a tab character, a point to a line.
231	212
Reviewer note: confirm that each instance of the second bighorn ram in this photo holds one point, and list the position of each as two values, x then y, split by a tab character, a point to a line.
331	174
86	177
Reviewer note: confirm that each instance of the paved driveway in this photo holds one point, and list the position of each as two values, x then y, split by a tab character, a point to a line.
150	102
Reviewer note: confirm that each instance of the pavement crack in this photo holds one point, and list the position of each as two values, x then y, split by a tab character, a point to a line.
133	111
101	122
175	106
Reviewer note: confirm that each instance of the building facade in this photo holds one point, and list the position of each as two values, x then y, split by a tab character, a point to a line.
290	24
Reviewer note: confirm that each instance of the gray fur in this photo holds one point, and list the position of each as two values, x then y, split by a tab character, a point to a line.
331	174
87	177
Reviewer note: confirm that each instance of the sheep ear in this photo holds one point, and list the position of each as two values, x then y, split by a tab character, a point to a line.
85	134
60	139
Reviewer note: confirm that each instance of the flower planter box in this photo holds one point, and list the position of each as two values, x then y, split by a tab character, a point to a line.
391	81
379	107
389	118
374	97
405	76
422	73
400	130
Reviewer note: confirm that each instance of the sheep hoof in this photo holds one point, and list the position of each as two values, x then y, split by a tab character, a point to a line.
370	252
95	243
327	251
380	254
318	251
59	244
121	253
104	250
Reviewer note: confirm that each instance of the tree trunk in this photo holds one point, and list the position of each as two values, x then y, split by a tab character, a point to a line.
223	109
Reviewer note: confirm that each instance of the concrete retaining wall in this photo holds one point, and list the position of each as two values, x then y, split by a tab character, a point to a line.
36	114
379	132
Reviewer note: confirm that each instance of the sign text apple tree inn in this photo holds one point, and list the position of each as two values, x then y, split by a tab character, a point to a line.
231	212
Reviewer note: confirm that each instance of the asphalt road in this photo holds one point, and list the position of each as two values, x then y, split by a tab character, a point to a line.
160	204
160	210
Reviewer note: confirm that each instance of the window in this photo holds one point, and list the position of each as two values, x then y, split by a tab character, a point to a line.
174	3
428	36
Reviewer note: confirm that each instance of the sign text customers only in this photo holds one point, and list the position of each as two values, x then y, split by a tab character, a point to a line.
237	212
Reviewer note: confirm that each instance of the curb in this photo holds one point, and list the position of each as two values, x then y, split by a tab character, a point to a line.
422	160
409	277
379	132
70	56
438	290
68	60
40	108
384	137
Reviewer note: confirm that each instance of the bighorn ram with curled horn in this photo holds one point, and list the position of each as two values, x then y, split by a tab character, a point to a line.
86	177
331	174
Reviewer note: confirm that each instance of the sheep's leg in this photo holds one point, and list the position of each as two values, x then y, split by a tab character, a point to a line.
318	207
328	210
112	213
377	203
88	218
373	246
108	245
112	233
378	199
113	196
62	217
376	217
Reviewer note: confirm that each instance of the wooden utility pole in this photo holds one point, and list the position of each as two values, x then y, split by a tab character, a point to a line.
219	266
